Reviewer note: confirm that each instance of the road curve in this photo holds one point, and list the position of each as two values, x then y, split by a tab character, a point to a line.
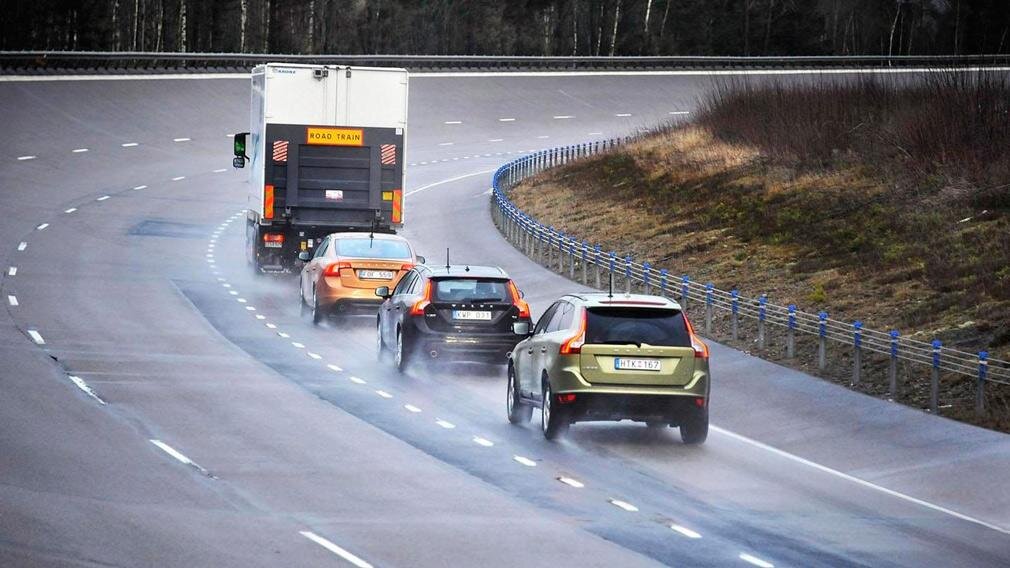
162	406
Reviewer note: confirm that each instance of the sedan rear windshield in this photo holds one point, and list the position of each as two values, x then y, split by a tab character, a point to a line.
371	248
472	290
621	326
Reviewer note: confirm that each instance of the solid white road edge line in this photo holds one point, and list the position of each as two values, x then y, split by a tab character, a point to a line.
355	560
84	387
445	181
859	481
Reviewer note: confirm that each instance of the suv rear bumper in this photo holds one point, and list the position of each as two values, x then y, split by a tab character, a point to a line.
589	407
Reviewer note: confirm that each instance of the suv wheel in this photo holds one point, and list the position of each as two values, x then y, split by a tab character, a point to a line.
519	412
402	355
380	349
694	430
552	420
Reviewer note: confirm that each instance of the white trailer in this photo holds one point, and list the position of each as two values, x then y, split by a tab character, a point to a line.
325	149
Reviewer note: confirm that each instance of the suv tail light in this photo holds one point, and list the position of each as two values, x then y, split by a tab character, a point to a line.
517	301
573	345
418	308
335	268
700	349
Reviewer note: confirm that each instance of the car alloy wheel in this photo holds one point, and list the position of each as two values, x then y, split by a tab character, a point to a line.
317	314
400	357
552	421
519	412
379	349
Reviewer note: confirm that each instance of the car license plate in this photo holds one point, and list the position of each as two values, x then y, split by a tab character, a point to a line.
273	244
637	364
375	274
478	315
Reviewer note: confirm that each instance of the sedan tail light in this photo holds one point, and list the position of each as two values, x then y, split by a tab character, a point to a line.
418	308
335	268
518	302
573	345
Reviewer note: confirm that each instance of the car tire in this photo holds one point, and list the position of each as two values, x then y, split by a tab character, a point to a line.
553	422
317	312
519	412
694	430
303	308
380	349
252	238
403	353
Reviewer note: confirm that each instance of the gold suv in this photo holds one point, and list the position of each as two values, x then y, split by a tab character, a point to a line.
601	357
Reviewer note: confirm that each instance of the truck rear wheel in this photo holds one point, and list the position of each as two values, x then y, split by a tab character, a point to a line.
252	239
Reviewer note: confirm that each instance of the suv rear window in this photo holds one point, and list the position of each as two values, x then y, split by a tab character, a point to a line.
637	325
471	290
371	248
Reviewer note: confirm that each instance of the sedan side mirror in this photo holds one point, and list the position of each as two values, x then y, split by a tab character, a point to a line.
382	291
421	259
521	328
304	256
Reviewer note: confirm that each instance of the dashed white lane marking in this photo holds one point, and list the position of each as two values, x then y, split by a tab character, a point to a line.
260	317
334	368
446	143
79	150
595	134
506	120
42	227
84	387
69	211
241	300
856	480
220	170
685	531
12	299
453	122
139	187
411	408
233	292
383	394
24	158
623	114
563	117
36	337
283	335
250	309
624	505
271	326
312	355
12	271
355	560
178	178
103	198
571	482
679	112
755	561
482	441
180	140
22	246
130	144
525	461
178	455
357	380
445	424
543	137
297	345
495	139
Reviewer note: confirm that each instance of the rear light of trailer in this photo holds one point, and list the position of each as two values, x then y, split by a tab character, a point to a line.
573	345
518	302
335	268
268	202
418	308
700	349
273	238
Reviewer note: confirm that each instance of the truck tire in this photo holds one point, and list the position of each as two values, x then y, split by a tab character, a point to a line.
252	239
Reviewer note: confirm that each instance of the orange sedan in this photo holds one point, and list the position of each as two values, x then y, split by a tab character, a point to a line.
342	275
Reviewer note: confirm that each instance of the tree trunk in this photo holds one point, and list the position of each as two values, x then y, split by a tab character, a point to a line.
894	26
136	22
613	35
662	26
768	27
243	17
575	27
115	25
648	10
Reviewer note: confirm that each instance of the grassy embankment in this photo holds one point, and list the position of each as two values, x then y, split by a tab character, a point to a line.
875	199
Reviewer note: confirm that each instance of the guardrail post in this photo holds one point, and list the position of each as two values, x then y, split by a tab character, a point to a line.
822	340
934	379
762	313
561	253
550	248
646	270
791	331
627	274
892	367
585	251
571	258
598	264
613	264
983	369
663	273
708	307
857	351
685	291
736	310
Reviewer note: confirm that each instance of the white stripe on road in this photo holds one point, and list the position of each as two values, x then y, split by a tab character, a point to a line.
383	394
623	114
103	198
23	158
312	355
79	150
22	245
42	227
411	408
334	368
282	334
483	441
446	143
180	140
355	560
506	120
679	112
220	171
450	180
12	299
856	480
139	187
129	144
12	271
297	345
178	178
445	424
356	380
84	387
571	482
178	455
525	461
685	531
71	210
36	337
271	326
624	505
493	140
755	561
563	117
453	122
260	317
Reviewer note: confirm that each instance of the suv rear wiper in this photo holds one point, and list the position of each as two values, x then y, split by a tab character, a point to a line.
481	300
635	343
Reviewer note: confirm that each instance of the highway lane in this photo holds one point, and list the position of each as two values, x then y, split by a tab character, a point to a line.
178	357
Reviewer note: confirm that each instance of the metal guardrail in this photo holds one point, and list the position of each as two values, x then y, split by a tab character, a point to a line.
578	259
147	61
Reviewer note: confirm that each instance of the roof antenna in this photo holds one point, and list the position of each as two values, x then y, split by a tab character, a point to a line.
447	259
610	293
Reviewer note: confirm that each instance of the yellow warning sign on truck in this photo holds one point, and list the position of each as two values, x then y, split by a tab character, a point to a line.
335	136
